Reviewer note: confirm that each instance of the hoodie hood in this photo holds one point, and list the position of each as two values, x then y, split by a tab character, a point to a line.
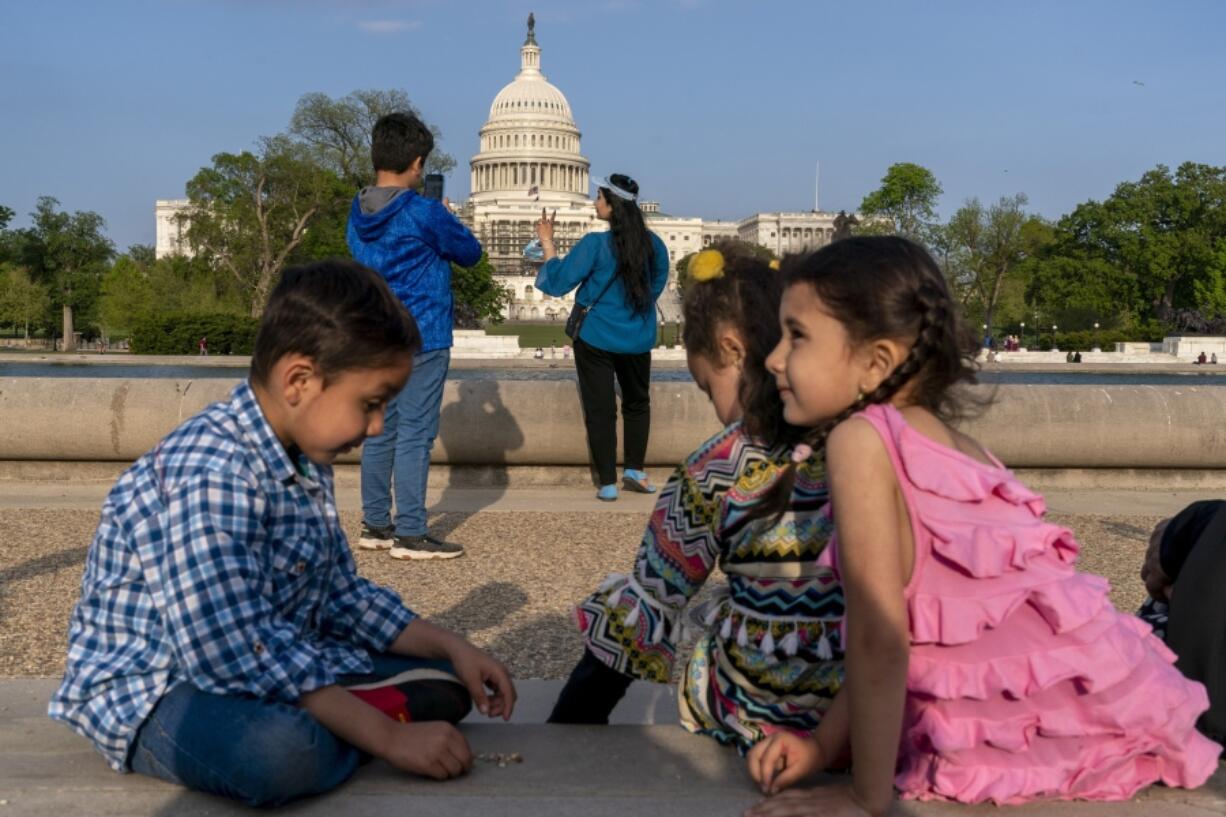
374	208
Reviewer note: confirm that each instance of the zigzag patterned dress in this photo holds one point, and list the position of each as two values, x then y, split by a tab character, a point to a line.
770	655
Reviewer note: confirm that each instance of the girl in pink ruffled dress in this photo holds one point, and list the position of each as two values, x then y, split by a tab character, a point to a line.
980	665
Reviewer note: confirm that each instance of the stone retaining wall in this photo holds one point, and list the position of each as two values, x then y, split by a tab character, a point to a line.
491	422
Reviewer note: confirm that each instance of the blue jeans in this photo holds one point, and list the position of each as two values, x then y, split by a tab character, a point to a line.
410	425
261	753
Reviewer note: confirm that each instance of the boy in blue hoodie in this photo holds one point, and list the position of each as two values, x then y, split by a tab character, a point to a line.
411	241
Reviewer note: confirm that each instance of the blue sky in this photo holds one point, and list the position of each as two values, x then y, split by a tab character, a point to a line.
719	109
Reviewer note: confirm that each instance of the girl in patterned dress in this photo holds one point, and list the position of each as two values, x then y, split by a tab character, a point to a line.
981	666
769	655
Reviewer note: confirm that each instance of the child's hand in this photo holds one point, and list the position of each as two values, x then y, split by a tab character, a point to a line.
782	759
479	671
433	749
826	801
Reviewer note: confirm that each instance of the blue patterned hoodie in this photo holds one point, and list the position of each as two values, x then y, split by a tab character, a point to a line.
411	241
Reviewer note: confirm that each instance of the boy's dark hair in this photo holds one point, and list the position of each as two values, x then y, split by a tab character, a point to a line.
338	313
397	140
632	246
746	297
887	287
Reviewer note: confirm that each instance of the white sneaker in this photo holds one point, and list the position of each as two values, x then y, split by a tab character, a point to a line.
376	538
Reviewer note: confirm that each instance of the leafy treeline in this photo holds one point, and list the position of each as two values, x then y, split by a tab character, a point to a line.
1147	260
252	214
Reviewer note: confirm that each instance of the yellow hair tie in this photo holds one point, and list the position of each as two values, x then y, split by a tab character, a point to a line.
707	266
774	264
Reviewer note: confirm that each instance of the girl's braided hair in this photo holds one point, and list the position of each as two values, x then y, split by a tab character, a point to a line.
887	287
745	297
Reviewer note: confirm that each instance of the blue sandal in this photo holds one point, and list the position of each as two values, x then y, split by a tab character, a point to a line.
607	493
637	482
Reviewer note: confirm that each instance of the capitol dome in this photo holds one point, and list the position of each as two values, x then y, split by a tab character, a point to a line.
530	96
530	143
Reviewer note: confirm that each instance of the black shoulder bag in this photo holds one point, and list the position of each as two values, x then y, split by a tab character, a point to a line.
578	312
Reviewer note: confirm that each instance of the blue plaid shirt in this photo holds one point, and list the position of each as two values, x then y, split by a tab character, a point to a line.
218	562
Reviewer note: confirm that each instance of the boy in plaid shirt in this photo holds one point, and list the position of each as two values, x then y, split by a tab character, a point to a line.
223	639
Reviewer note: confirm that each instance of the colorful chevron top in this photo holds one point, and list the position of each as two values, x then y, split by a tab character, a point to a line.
769	655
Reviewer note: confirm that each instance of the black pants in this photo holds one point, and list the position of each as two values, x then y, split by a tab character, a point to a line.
596	369
590	693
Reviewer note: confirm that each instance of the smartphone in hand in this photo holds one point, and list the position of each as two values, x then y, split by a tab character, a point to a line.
433	186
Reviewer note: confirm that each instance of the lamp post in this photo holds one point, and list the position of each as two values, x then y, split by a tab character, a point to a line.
1097	347
1023	334
985	336
1054	348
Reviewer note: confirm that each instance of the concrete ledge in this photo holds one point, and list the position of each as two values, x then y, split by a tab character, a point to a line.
516	422
567	770
443	476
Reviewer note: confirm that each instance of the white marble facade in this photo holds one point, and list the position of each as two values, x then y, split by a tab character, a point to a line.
171	227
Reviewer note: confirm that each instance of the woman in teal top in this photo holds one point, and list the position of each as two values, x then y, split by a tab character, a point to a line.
619	274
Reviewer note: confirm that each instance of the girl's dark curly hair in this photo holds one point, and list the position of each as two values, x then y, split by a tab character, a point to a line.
887	287
746	297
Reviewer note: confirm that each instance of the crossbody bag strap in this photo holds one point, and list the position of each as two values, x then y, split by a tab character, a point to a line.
592	305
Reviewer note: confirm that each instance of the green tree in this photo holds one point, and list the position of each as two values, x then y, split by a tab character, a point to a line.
983	250
22	300
251	211
6	217
142	254
338	131
478	297
1153	248
127	297
907	197
138	289
67	253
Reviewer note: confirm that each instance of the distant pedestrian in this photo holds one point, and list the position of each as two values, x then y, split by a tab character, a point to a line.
1213	358
1202	358
203	345
553	349
618	276
411	240
1076	357
539	354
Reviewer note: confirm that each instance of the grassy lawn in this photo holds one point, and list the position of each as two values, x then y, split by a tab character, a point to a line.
532	335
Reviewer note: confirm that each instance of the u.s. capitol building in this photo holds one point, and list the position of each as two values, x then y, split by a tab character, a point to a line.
529	157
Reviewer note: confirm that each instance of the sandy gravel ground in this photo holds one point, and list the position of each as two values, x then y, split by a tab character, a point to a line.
511	593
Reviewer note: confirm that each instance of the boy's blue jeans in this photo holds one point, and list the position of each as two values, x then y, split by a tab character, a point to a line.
258	752
410	425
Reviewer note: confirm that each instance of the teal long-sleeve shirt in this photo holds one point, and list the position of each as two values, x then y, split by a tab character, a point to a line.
612	325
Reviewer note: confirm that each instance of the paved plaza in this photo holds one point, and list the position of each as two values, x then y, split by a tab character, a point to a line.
532	552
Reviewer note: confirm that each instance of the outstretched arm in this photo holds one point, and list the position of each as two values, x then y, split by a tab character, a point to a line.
875	558
875	561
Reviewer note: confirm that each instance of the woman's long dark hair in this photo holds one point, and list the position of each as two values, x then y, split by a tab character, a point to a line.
632	245
746	297
887	287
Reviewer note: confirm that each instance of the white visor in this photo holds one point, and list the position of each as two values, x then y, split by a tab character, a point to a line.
614	189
